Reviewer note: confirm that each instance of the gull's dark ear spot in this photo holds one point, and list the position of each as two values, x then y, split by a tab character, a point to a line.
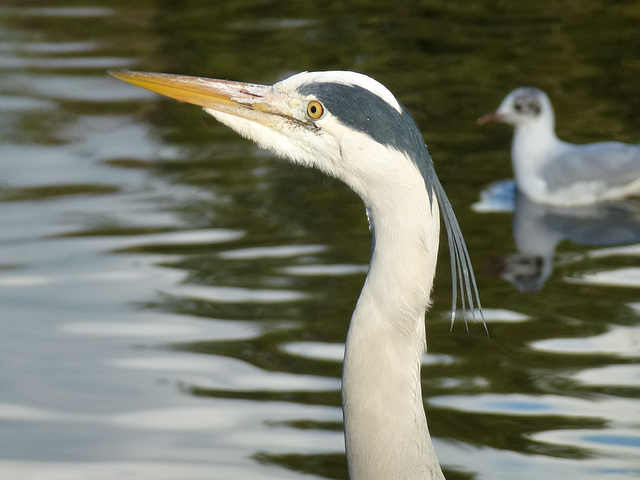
528	102
536	108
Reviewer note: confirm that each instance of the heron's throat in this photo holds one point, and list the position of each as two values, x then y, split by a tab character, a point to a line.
405	237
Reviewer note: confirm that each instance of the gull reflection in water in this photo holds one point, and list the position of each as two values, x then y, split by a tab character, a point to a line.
538	229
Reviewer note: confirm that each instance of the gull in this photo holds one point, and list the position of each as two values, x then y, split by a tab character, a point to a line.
554	172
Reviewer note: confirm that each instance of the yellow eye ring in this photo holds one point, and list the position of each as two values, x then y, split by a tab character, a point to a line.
315	109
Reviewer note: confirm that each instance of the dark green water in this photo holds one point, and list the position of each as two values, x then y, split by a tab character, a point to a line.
174	301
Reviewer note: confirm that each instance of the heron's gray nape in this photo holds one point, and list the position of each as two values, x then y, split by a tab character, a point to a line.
364	111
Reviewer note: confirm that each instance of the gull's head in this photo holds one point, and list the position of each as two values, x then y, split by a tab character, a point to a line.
523	106
344	123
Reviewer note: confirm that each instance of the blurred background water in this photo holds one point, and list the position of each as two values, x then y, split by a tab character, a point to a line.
174	301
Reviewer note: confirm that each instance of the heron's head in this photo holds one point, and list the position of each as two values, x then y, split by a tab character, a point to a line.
344	123
521	107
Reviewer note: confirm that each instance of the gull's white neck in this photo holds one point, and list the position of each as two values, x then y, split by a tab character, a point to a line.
385	425
534	145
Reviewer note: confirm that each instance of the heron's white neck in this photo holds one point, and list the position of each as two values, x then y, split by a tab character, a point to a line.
385	425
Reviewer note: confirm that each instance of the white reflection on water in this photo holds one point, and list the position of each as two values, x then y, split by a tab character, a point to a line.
501	315
620	250
20	104
618	341
236	294
325	270
59	47
90	62
512	465
72	87
277	251
610	376
607	408
217	469
229	374
332	352
25	413
183	237
616	442
73	12
621	277
166	326
223	428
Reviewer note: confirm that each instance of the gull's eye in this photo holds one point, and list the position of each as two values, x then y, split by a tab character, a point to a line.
315	109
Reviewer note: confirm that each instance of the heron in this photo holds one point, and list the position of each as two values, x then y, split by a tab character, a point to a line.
553	172
352	127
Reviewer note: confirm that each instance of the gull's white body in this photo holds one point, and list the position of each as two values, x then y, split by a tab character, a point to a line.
551	171
364	137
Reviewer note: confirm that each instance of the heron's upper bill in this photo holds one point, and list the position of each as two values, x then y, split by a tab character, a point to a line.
237	98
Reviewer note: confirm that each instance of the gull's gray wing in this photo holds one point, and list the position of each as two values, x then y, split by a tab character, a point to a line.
613	164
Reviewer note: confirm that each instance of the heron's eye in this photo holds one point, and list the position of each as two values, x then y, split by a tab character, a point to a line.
315	109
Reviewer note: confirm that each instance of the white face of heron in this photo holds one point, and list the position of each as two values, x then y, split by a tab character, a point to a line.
344	123
293	127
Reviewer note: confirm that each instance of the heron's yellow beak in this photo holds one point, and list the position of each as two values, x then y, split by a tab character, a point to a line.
259	103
